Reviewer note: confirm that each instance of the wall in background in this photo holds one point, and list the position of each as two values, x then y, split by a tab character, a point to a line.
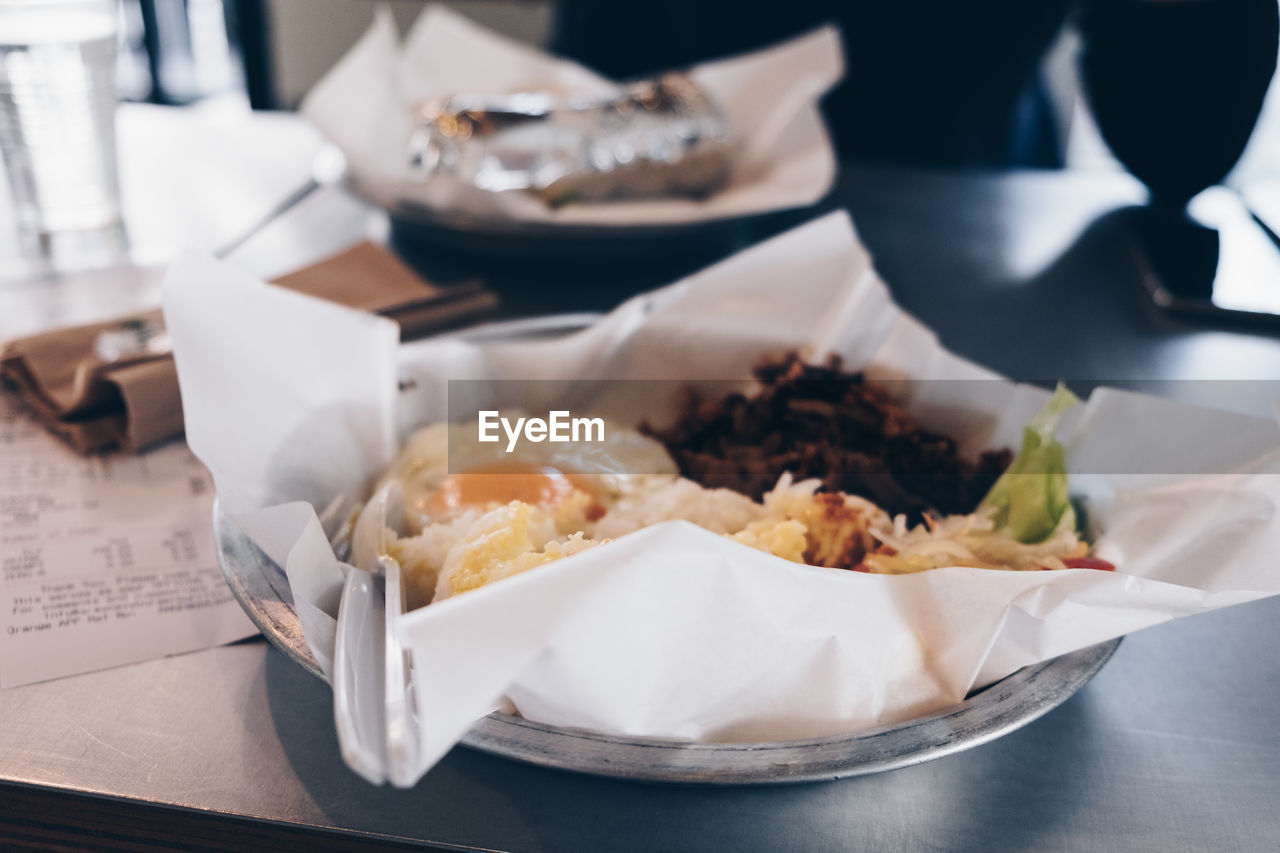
309	36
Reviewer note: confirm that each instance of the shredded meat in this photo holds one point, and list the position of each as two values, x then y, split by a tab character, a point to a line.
820	422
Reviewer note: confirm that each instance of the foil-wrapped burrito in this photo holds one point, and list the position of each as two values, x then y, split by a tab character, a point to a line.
658	137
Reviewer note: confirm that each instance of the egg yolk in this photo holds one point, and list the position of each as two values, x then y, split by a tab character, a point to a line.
502	482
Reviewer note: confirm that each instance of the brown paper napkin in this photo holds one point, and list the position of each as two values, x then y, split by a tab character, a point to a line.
114	384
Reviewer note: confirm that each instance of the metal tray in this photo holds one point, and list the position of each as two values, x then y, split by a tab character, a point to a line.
263	591
560	247
553	245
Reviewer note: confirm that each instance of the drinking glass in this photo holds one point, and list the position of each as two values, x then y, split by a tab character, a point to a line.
57	113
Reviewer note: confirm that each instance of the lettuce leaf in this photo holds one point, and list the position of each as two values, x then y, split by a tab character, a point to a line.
1030	501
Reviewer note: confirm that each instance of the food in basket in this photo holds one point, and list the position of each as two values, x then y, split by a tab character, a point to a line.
659	137
817	421
487	513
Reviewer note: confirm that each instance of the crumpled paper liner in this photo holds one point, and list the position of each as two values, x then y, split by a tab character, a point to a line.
674	631
770	97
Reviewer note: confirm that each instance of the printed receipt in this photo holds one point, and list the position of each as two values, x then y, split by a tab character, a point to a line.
104	560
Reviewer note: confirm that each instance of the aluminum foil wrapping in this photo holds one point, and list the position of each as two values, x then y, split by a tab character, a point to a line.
656	137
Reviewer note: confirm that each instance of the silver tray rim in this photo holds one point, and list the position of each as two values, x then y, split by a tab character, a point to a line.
489	225
262	589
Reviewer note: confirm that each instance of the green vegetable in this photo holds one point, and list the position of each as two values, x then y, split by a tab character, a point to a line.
1030	501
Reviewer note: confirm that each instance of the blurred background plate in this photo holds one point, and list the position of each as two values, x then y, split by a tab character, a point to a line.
574	246
433	238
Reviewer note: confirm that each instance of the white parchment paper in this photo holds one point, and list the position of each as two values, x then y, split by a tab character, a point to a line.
673	631
770	97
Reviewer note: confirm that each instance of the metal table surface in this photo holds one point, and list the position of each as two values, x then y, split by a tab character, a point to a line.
1174	746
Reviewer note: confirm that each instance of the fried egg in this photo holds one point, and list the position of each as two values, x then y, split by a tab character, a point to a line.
444	471
474	512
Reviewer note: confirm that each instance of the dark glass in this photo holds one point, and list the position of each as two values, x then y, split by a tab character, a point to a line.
1176	85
